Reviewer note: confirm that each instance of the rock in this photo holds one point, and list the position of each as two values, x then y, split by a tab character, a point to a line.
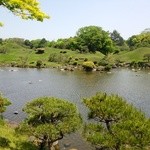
30	82
15	112
100	68
67	144
114	66
109	72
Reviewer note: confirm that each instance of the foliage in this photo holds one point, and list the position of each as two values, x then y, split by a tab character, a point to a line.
95	39
49	119
11	140
39	64
147	30
134	55
119	124
141	40
4	102
28	43
61	57
23	55
88	65
108	67
18	41
1	24
40	50
3	50
67	43
1	40
42	43
26	9
147	57
23	61
117	39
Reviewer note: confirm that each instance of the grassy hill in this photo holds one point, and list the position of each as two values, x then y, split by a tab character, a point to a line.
134	55
13	53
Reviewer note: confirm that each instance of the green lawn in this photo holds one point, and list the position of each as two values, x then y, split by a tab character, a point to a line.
134	55
19	54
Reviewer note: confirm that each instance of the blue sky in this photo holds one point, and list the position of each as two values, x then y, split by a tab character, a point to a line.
128	17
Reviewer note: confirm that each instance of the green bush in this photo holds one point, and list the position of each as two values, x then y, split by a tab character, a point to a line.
39	64
88	65
85	59
102	62
108	67
52	57
75	63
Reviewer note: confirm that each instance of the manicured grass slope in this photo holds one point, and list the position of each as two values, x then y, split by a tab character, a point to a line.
134	55
17	53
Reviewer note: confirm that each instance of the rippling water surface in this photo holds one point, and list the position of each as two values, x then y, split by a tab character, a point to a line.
23	85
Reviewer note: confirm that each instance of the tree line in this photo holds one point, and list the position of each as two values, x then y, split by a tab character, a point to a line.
90	39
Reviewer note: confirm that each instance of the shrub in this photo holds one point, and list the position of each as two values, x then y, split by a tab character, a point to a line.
13	64
95	62
88	65
108	67
52	57
64	52
75	63
85	59
39	64
103	63
40	50
76	59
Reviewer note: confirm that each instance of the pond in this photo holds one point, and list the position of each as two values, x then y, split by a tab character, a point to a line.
23	85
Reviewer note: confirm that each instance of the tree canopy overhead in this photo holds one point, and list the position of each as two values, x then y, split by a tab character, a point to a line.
26	9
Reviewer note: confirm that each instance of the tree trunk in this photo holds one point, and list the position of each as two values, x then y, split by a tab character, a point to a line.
54	146
43	143
57	147
50	145
117	147
108	126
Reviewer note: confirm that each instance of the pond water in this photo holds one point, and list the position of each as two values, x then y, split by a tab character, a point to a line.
23	85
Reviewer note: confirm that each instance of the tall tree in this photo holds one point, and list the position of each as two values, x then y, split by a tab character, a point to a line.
42	43
116	37
27	9
49	119
117	125
95	39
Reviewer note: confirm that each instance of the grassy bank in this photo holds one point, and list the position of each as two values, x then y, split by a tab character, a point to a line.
13	54
134	55
20	55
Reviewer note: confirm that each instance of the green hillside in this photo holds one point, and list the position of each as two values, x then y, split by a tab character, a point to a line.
13	53
134	55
